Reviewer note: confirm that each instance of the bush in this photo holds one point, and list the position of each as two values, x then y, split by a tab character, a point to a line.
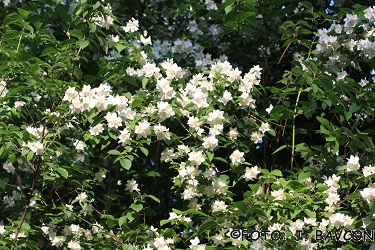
195	125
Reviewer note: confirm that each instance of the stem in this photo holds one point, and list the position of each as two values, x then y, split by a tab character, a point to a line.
19	42
294	130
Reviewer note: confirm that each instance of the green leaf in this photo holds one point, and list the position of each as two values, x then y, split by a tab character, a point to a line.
83	43
76	33
144	82
372	211
49	51
144	150
276	172
24	13
3	182
153	197
323	121
13	18
279	149
309	213
130	80
207	226
107	217
302	147
220	159
114	152
163	222
122	220
277	109
210	155
126	163
294	185
272	132
228	9
354	196
96	5
190	211
120	47
63	172
355	107
284	204
136	207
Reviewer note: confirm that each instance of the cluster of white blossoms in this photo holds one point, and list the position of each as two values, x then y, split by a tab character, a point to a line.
341	220
368	194
72	235
358	42
333	186
36	147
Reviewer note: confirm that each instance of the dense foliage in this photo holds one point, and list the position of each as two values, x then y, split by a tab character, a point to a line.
197	124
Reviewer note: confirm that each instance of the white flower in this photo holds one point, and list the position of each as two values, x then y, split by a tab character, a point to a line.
82	197
2	230
74	245
97	129
278	194
113	120
165	110
210	143
269	109
237	156
36	147
251	173
341	75
80	146
142	129
368	170
196	158
132	185
353	163
264	127
131	26
9	167
19	104
218	206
